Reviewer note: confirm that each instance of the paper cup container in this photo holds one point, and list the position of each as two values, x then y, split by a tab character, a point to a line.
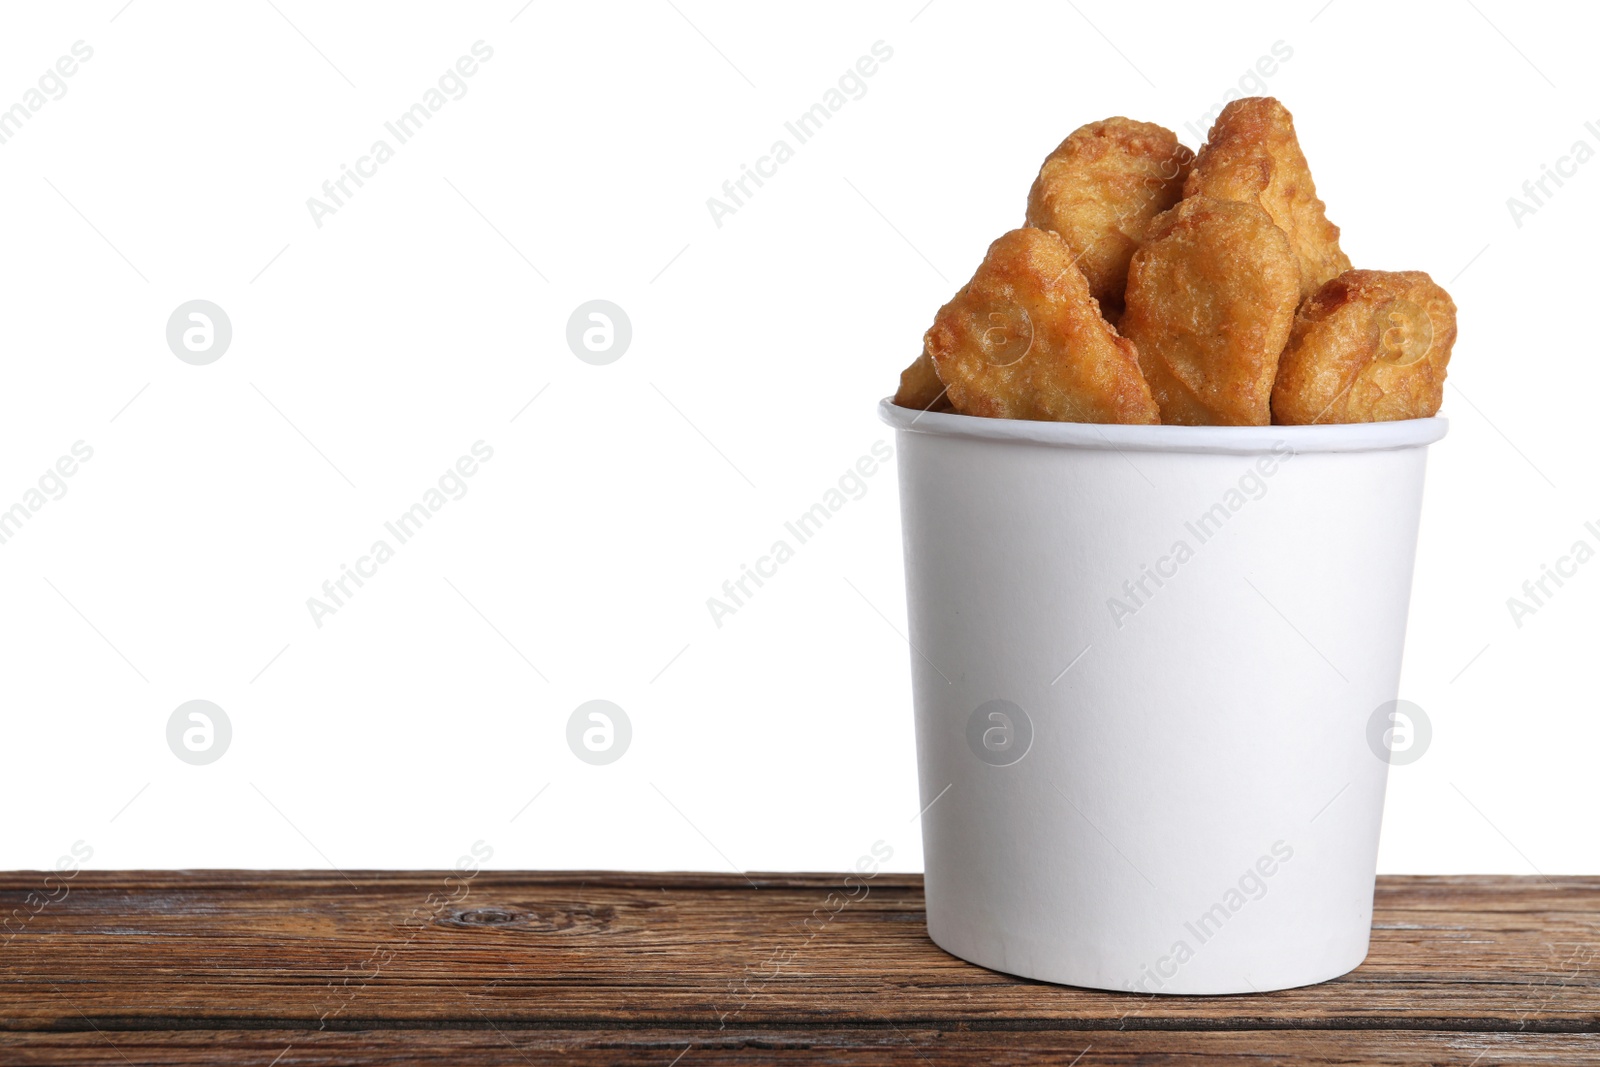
1152	669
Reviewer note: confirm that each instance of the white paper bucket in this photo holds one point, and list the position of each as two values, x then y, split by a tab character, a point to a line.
1146	661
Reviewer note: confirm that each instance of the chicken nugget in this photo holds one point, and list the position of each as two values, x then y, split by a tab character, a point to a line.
1252	154
920	386
1024	339
1211	298
1369	346
1099	190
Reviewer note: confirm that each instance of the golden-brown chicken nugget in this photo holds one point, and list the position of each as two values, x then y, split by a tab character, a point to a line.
1024	339
1211	298
1252	154
1369	346
1099	190
921	388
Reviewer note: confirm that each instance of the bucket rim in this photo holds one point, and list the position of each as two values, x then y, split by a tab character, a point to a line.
1223	440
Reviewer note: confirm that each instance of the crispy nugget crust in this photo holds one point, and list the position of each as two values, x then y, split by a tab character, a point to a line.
920	386
1211	298
1099	190
1252	154
1024	340
1369	346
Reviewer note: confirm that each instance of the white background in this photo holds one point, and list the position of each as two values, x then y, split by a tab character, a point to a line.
369	353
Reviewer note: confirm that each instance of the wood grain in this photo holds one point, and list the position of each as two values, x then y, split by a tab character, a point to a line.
900	1047
176	967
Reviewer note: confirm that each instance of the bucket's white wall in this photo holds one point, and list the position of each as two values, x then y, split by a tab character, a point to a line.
1138	675
406	329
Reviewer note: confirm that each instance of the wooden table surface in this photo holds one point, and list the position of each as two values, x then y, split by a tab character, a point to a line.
293	968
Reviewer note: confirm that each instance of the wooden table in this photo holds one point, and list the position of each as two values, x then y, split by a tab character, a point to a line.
291	968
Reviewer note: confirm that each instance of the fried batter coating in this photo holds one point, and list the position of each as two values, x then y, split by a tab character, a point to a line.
920	386
1024	339
1099	190
1252	154
1369	346
1211	298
